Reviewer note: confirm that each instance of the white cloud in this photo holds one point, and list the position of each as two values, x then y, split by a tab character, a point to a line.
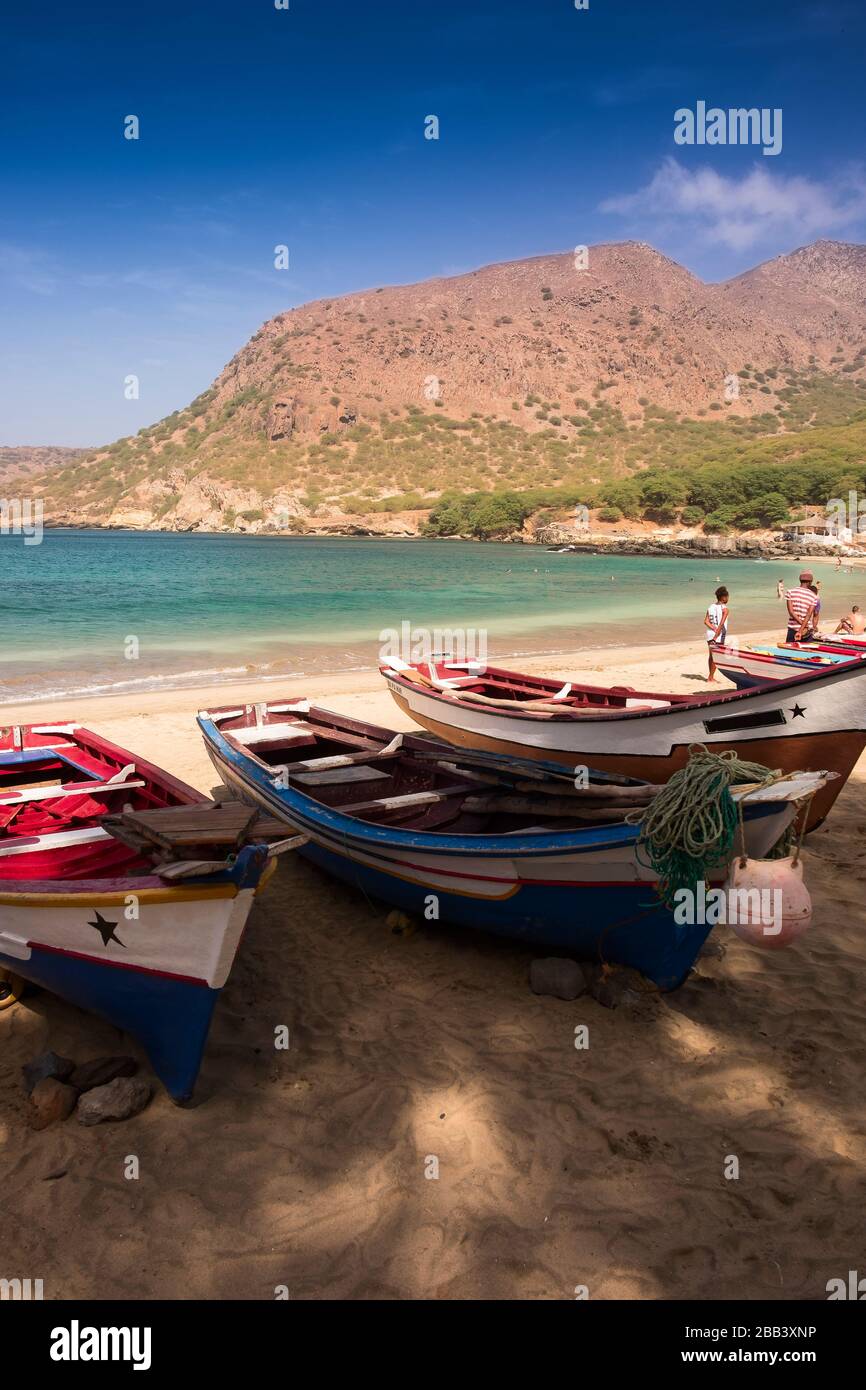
739	213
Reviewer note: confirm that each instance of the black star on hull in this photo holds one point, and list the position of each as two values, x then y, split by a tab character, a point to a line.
106	930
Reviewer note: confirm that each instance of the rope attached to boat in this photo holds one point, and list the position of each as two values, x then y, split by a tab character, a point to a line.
690	825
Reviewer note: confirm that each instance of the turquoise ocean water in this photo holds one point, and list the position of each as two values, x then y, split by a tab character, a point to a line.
209	608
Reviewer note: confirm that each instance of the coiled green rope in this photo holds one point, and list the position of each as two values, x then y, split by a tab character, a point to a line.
689	826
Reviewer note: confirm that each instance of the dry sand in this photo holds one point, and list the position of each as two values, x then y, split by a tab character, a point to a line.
557	1167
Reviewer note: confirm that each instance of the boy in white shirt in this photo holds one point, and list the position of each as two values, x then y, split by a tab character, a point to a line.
716	626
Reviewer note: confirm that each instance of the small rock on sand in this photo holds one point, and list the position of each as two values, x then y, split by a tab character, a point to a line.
119	1100
612	987
47	1064
562	978
51	1100
102	1070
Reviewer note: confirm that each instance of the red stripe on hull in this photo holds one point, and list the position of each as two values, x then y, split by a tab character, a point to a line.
117	964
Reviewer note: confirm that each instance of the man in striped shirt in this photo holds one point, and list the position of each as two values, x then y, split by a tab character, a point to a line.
801	609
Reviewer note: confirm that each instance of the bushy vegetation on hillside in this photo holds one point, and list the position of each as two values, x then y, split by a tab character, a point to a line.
483	475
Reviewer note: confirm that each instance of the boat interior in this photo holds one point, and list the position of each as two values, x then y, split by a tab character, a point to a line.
417	782
801	655
536	695
56	781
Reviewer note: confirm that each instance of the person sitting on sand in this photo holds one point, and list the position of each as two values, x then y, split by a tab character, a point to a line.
853	623
716	626
800	603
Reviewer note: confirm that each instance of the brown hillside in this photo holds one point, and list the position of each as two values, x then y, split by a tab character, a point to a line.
526	373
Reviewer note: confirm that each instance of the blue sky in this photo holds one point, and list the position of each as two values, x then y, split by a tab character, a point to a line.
305	127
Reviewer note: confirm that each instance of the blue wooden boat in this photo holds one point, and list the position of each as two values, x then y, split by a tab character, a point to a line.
504	845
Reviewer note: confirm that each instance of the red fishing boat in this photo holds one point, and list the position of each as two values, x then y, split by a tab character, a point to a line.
57	782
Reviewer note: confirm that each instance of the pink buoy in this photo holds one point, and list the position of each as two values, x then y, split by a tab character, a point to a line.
768	903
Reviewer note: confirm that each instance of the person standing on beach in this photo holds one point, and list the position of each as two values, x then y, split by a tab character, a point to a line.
800	603
716	626
780	589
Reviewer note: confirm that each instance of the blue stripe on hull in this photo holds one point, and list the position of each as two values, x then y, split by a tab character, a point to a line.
583	923
170	1018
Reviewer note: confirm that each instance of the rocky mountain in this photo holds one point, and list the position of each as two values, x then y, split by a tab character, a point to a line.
354	411
817	293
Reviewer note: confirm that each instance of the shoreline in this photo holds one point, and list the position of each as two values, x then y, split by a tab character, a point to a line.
742	545
161	723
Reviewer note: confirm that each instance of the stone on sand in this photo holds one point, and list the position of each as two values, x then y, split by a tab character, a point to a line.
122	1098
561	977
612	986
47	1064
102	1070
51	1100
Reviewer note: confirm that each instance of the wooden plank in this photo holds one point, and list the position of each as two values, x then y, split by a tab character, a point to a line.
399	803
253	735
44	793
505	768
615	795
558	807
172	827
292	842
393	750
337	775
266	828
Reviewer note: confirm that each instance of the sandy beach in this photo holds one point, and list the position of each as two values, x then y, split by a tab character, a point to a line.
557	1168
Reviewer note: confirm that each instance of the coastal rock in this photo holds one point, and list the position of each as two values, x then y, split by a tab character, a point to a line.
119	1100
682	546
562	978
46	1065
613	986
102	1070
52	1101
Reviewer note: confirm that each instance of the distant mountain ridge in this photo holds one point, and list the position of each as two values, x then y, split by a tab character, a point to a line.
21	461
527	373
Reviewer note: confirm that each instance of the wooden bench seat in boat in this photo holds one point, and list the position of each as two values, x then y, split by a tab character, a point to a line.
405	801
337	776
270	733
16	798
